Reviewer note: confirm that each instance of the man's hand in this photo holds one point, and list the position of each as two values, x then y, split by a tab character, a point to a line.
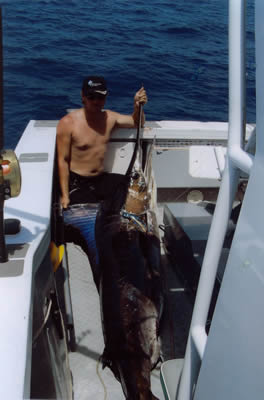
65	201
141	97
131	121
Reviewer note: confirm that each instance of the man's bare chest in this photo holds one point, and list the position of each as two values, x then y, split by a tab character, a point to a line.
86	136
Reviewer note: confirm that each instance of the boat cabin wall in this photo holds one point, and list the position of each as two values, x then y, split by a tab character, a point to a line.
185	154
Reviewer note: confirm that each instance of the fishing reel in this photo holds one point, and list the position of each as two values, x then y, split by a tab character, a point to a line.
10	186
10	176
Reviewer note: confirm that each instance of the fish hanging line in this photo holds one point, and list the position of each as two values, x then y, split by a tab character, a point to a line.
133	159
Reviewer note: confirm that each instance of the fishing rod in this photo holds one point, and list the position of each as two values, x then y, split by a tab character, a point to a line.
133	159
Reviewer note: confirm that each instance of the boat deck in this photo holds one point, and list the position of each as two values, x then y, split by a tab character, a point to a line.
89	380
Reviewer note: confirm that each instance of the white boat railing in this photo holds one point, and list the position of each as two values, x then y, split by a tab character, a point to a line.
237	160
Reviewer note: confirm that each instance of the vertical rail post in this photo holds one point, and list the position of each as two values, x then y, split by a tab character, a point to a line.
236	159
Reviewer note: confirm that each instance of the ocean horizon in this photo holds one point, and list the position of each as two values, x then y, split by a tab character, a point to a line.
178	51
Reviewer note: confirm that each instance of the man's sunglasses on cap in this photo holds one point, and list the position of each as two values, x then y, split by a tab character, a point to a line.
95	96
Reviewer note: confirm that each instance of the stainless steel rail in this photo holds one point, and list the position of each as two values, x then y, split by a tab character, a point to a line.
237	159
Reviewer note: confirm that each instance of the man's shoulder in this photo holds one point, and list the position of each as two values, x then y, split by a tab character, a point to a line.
73	115
69	119
112	112
113	115
121	120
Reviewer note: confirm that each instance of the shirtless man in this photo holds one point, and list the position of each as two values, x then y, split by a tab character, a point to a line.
82	138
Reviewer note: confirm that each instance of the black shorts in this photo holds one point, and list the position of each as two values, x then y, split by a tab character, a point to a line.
86	189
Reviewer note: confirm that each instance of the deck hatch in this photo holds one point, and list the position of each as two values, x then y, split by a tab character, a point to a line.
33	157
18	250
12	268
45	124
15	264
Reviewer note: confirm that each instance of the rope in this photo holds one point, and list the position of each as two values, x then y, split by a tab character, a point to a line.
101	379
138	222
43	323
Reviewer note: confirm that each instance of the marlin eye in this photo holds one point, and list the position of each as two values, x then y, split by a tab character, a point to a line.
135	175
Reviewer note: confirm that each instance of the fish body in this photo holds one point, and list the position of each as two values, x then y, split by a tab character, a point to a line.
130	288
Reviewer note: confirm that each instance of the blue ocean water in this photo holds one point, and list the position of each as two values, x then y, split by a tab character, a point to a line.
177	49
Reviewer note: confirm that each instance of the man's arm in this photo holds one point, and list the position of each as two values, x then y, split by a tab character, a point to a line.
131	121
63	153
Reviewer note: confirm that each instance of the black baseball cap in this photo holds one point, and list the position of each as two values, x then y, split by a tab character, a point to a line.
94	84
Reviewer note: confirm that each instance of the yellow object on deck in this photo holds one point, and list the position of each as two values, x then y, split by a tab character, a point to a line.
56	255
